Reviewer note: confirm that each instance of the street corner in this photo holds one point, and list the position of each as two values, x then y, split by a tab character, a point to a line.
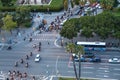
56	43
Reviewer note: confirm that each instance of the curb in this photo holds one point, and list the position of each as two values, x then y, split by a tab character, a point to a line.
55	43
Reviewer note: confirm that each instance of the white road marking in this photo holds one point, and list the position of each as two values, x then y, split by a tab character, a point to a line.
87	72
71	71
106	76
116	69
88	67
103	68
116	74
108	64
55	43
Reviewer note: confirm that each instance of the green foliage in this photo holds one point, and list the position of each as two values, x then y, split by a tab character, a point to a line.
104	25
38	8
76	2
27	24
22	15
107	4
9	24
72	4
6	2
65	2
69	31
70	47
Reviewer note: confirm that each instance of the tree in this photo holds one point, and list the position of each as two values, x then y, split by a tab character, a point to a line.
6	2
8	23
107	4
79	50
22	14
71	48
76	2
82	2
69	30
87	32
65	4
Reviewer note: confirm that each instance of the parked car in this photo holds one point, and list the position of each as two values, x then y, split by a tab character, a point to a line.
114	60
37	58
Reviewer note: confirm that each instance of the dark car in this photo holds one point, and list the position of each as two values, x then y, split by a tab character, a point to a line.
88	55
76	58
95	59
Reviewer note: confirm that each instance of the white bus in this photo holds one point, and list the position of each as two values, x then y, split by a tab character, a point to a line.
99	46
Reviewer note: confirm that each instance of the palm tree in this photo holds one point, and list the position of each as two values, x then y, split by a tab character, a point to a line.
71	48
79	50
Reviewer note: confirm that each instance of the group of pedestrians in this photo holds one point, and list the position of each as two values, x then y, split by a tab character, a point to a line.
24	60
13	75
37	46
17	75
56	24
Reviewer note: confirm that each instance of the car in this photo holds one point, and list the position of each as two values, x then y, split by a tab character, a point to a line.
114	60
95	59
37	58
76	58
88	54
63	22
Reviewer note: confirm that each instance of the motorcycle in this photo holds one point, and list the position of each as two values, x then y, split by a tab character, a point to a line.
39	48
34	46
16	64
22	61
30	39
26	65
27	57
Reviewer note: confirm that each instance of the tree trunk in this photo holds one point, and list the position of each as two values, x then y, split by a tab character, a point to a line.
75	69
79	67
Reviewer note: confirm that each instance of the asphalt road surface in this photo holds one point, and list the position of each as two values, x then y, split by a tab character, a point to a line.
55	61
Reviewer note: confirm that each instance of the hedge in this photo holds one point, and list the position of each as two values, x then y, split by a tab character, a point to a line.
56	5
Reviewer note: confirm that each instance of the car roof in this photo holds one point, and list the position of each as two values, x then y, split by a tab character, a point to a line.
115	58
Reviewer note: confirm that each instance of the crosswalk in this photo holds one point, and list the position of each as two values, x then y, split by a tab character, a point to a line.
47	35
42	39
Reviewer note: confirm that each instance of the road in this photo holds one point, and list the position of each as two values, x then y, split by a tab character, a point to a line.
99	70
55	61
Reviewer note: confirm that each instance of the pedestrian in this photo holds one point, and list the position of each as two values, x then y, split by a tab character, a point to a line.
33	78
31	53
24	38
48	43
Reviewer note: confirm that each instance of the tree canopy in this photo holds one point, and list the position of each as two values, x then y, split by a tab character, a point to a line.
104	25
8	23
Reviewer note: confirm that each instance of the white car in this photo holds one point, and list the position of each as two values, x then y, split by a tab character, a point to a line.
114	60
63	22
37	58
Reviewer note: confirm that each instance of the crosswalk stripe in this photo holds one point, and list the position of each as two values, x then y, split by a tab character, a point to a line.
43	39
54	35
